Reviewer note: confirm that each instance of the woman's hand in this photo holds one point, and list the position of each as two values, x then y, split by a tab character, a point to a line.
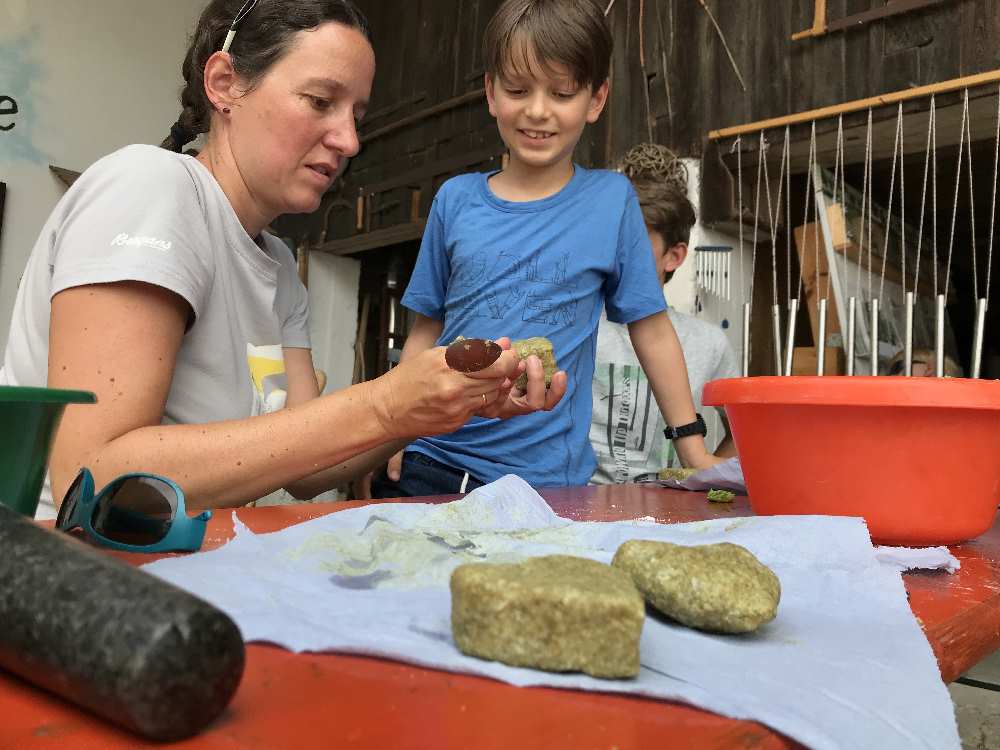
423	396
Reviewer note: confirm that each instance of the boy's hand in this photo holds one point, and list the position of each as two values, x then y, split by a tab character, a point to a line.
536	397
395	466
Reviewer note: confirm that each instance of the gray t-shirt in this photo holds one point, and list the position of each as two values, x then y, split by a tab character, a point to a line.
151	215
626	429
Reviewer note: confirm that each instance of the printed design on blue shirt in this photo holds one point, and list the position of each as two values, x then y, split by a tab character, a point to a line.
537	292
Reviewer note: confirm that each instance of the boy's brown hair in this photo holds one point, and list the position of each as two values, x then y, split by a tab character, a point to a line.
573	33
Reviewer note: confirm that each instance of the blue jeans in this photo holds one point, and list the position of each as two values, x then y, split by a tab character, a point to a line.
422	475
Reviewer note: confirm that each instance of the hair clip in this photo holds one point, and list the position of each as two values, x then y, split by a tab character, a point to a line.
244	12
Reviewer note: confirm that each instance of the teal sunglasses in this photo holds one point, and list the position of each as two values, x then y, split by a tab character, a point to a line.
135	512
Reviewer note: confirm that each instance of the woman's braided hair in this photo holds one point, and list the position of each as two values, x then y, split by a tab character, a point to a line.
262	38
660	182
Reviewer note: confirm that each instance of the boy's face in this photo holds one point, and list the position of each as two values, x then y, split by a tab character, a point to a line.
541	112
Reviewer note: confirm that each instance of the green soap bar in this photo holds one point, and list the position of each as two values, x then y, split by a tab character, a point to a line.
721	588
678	474
721	496
541	347
558	613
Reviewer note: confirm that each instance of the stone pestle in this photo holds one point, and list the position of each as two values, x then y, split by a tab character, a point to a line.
119	642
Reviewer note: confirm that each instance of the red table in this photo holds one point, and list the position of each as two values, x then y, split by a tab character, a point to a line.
328	700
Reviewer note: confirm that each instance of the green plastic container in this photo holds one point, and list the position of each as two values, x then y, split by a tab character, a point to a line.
28	421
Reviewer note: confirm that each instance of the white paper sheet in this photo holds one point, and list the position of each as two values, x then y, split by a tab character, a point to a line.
844	664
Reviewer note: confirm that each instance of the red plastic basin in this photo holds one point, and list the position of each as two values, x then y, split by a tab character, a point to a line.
917	458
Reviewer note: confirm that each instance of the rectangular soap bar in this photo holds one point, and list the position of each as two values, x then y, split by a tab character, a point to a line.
558	613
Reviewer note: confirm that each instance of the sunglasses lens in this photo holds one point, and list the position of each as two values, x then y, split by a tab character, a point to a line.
135	510
70	502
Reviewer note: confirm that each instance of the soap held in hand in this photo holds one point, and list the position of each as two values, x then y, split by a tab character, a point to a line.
558	613
472	355
721	588
541	347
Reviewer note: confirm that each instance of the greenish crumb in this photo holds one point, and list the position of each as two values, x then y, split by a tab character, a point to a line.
720	496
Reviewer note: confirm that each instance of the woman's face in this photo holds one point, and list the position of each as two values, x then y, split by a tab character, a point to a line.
291	134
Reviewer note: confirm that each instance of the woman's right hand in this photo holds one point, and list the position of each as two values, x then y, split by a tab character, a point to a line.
424	396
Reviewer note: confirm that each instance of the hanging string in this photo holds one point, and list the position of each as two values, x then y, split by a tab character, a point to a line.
838	169
810	166
773	215
864	204
756	215
934	211
738	146
993	203
954	208
902	202
892	191
972	211
788	216
871	223
923	196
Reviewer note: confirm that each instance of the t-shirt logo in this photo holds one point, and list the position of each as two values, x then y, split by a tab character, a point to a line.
266	365
127	240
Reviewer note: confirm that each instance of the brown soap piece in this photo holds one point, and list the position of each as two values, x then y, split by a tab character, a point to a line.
558	613
471	355
721	588
541	347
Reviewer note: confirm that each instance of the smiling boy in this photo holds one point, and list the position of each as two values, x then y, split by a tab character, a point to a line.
538	249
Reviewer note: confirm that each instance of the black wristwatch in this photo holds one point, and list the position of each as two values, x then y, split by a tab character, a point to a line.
697	427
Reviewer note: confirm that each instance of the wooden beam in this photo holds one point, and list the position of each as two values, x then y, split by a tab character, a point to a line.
373	240
428	171
955	84
859	19
819	22
437	109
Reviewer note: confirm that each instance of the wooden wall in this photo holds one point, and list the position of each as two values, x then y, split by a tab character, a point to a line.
672	79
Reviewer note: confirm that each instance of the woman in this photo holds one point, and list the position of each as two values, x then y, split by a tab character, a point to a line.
154	284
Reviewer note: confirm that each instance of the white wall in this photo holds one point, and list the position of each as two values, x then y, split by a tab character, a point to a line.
333	315
88	76
682	291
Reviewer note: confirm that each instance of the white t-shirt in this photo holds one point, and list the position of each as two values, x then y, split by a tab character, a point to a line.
626	429
151	215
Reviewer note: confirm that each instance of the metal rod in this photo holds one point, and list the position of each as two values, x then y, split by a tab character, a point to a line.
874	337
776	320
821	339
908	337
746	339
729	276
939	337
793	309
852	324
977	348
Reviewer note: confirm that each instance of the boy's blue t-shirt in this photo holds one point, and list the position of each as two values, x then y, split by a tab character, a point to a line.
489	268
